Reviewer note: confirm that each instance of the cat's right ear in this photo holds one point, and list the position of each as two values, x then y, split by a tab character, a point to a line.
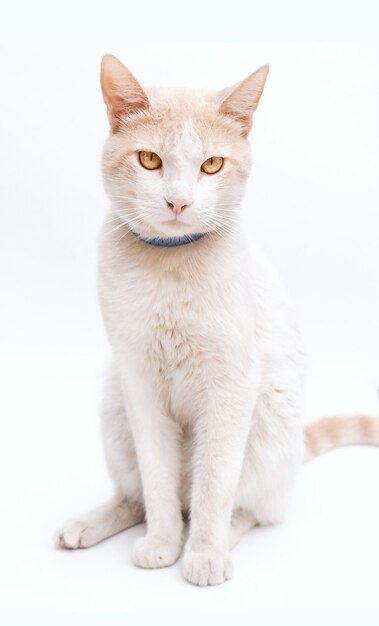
122	92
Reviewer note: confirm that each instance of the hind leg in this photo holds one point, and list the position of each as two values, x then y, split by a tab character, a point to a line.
242	522
273	456
125	508
116	515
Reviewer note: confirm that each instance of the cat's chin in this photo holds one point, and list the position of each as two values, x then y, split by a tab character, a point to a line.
174	223
176	228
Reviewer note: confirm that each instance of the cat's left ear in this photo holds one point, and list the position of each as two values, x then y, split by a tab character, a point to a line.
241	100
122	92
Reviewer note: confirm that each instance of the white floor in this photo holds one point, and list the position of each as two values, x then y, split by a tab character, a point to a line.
323	559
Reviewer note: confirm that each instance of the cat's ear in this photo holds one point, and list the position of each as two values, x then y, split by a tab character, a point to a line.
122	92
241	100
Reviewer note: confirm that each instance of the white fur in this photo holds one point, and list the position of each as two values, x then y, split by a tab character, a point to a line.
202	409
212	367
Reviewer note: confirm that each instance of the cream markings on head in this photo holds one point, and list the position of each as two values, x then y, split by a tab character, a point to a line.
184	128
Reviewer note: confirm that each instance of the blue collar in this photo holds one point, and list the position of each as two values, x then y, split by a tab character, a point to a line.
169	242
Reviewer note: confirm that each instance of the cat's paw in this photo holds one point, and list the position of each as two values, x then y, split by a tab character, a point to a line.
150	552
75	534
207	568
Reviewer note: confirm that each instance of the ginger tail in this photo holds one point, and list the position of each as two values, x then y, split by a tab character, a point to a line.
327	433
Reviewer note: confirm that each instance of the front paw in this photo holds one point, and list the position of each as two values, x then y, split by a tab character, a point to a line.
207	568
151	552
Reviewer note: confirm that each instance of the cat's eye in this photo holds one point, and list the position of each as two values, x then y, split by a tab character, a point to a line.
212	165
150	160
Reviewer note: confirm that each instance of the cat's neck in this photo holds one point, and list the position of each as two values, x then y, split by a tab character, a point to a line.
187	262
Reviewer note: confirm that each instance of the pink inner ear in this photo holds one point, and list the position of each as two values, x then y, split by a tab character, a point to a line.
122	92
238	109
241	100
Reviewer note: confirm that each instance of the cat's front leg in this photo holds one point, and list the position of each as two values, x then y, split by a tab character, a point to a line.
157	443
221	434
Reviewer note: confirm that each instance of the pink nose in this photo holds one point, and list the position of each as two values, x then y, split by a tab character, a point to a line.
177	205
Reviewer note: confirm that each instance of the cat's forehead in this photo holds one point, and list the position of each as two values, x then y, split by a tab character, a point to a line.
183	121
181	139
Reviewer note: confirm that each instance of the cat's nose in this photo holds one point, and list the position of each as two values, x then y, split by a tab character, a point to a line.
177	204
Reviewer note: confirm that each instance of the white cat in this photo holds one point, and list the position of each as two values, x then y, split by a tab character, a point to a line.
203	404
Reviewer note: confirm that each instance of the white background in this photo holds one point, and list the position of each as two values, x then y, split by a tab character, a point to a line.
312	204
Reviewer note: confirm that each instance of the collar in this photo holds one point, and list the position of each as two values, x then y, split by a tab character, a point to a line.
169	242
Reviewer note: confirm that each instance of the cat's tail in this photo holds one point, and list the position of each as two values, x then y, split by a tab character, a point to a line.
327	433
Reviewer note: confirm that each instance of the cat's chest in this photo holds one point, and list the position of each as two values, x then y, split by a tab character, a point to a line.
174	315
168	320
173	324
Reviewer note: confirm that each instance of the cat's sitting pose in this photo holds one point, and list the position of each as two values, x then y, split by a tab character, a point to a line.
203	403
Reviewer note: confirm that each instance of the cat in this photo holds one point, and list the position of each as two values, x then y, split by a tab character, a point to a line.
201	417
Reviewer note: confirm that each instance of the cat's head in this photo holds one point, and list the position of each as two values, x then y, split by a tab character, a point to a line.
176	160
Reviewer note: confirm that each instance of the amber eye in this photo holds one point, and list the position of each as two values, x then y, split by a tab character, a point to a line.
212	165
150	160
